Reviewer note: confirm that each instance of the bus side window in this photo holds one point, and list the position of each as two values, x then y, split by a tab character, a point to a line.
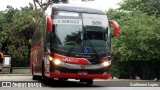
54	39
48	34
49	39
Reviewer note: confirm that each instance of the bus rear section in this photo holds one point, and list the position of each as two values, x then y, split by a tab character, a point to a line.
76	45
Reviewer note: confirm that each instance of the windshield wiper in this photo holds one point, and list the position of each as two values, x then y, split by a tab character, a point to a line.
107	38
85	34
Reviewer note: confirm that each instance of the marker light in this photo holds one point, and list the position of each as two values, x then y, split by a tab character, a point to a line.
106	63
50	58
57	62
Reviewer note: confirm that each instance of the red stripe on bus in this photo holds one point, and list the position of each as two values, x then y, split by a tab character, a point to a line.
76	76
72	60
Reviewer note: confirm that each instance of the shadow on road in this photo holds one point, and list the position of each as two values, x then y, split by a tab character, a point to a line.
58	83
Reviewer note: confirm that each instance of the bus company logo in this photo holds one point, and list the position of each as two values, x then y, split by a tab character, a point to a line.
70	60
6	84
83	56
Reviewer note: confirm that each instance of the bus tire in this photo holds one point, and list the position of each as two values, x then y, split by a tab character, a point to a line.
34	77
39	77
44	78
43	69
89	81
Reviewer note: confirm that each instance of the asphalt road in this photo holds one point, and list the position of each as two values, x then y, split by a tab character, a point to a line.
26	83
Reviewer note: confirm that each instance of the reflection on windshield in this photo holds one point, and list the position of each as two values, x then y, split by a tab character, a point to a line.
73	39
96	36
68	34
72	36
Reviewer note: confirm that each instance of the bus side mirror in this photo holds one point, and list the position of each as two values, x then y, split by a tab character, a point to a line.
49	23
1	55
115	26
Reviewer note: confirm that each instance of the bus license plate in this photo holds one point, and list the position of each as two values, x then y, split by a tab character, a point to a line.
82	73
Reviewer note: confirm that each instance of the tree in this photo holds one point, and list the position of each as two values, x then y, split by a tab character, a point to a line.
151	7
136	48
17	30
5	25
135	51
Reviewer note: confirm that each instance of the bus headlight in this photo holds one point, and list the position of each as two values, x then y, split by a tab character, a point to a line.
57	62
106	63
50	58
54	60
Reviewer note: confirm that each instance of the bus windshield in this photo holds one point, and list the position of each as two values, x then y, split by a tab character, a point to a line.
76	31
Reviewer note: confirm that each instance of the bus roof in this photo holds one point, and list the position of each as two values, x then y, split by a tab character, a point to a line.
76	8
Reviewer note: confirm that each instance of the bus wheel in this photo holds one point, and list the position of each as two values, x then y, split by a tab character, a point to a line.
39	77
43	70
89	81
34	77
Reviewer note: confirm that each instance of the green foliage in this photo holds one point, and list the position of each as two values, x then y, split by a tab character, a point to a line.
138	38
17	27
151	7
135	50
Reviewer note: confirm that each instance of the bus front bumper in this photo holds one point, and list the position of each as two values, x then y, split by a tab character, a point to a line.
77	71
77	76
